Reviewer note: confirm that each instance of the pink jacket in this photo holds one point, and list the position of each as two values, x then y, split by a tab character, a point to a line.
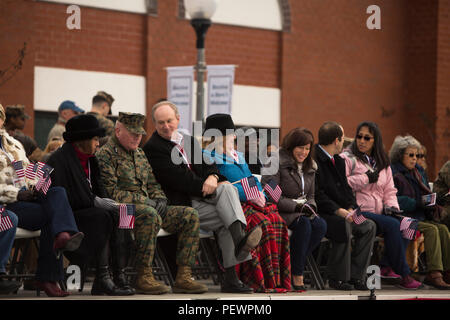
371	197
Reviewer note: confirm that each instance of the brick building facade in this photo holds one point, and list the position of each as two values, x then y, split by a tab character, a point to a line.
326	63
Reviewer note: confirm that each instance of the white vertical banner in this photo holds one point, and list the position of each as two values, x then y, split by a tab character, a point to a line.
179	91
220	88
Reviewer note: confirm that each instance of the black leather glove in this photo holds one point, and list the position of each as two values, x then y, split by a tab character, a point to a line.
373	176
161	207
26	195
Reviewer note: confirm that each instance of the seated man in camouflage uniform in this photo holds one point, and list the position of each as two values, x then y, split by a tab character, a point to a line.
101	107
128	178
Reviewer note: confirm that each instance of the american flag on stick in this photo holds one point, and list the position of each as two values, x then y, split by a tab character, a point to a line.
5	221
44	181
33	169
250	188
18	167
408	227
274	190
126	216
358	218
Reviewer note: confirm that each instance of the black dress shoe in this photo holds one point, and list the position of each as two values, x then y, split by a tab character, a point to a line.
250	241
340	285
299	288
235	287
9	286
358	284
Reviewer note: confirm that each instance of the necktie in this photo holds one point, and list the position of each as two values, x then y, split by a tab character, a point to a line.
332	160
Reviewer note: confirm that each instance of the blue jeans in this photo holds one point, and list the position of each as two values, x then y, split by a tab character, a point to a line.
306	236
51	214
394	244
7	240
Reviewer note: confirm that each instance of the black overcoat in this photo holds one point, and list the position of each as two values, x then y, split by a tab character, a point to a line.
332	192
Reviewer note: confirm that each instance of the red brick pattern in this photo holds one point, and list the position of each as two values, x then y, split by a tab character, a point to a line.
328	65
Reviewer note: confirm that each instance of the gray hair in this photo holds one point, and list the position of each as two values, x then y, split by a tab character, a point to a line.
161	103
400	144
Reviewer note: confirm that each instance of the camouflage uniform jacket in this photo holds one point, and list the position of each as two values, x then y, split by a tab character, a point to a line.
104	122
127	176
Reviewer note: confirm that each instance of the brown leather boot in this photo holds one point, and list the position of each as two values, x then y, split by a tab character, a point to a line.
184	283
146	283
434	278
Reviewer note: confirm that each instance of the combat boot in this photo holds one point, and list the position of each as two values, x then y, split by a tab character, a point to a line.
185	284
146	283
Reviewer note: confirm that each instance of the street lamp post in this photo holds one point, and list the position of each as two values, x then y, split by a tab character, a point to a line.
200	12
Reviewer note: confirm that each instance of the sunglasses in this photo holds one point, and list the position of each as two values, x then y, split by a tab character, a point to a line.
412	155
420	156
367	138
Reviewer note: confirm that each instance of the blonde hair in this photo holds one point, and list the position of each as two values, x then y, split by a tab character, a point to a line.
53	145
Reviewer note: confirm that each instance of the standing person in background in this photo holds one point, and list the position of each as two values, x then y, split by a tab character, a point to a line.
370	177
297	206
67	109
101	108
14	124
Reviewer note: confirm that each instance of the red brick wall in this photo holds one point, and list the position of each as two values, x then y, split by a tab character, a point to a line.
420	104
334	68
442	146
329	66
171	42
15	29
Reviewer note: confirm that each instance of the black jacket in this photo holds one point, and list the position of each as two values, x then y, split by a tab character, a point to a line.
69	173
332	192
178	182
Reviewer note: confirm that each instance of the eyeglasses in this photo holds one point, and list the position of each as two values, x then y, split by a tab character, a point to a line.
420	156
412	155
367	138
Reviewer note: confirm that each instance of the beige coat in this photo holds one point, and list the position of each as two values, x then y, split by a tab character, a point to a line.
8	192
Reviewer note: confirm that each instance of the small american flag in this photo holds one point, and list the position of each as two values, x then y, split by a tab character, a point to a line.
5	221
31	170
45	180
358	218
274	190
250	188
18	166
126	216
408	227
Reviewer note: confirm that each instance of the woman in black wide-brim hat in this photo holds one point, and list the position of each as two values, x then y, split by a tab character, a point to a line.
270	269
76	169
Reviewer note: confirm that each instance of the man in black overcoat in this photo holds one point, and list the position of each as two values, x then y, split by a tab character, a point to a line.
335	202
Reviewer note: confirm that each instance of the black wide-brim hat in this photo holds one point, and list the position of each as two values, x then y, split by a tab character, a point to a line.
83	127
220	121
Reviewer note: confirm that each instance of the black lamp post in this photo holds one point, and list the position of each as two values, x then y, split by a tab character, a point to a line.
200	12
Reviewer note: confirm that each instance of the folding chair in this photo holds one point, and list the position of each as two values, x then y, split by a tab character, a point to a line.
22	242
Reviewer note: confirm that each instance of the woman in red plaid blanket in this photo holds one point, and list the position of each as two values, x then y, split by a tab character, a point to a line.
269	270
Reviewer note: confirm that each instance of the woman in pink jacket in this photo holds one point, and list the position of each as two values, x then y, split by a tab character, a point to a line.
370	176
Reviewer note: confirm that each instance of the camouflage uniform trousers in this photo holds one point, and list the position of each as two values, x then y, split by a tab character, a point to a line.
178	219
